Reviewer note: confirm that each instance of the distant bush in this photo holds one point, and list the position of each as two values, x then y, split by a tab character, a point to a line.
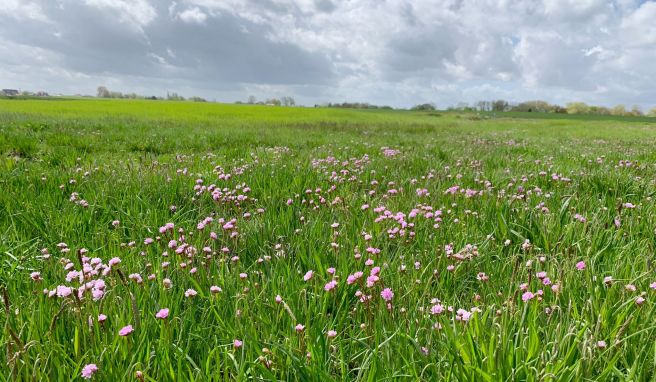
652	112
356	105
424	107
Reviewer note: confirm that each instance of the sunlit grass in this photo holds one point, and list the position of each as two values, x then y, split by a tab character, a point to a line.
533	196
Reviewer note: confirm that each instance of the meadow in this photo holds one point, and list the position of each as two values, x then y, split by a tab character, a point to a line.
157	241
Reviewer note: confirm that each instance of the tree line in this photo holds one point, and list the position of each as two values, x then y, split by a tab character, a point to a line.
103	92
539	106
282	101
499	105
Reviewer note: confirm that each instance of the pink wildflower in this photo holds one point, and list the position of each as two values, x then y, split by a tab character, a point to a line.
162	314
89	370
126	330
387	294
527	296
330	285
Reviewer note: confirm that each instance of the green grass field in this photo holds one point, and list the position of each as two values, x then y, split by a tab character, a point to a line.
442	246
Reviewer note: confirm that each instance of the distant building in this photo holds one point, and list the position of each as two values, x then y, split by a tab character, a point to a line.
41	94
10	92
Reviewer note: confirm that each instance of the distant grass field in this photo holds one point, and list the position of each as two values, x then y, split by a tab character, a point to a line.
489	248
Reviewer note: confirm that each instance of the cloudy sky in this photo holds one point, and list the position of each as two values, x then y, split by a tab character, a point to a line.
379	51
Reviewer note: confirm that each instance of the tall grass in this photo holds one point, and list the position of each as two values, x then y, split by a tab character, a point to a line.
569	198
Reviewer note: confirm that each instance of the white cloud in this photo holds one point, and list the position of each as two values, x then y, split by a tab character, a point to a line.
193	15
138	12
21	10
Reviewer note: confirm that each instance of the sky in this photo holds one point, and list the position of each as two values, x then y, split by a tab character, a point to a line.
385	52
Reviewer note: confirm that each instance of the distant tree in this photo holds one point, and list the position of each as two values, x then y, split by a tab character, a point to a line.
535	106
578	108
288	101
603	110
599	110
174	97
636	111
103	92
618	110
251	100
484	105
652	112
500	105
463	106
424	107
197	99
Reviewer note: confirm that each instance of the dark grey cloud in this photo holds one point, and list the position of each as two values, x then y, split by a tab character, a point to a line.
217	47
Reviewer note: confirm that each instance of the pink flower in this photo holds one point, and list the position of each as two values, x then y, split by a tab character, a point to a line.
437	309
162	314
527	296
353	278
278	299
580	265
330	285
463	315
653	285
308	275
190	293
601	344
126	330
387	294
299	328
89	370
639	300
237	343
64	291
331	334
215	289
36	276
